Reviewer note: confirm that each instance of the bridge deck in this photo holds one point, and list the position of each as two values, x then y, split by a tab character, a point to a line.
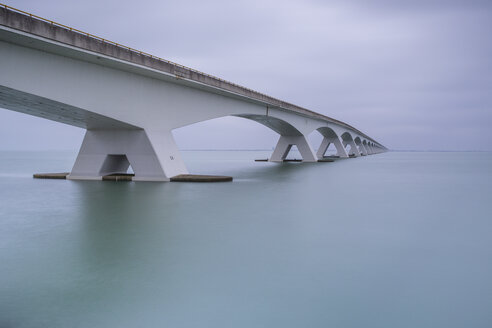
38	26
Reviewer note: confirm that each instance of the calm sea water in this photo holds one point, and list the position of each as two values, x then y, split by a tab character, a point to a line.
390	240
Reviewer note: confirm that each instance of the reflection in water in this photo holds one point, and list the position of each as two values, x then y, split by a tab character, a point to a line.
122	232
284	245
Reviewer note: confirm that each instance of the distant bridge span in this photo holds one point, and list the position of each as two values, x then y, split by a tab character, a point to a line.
130	101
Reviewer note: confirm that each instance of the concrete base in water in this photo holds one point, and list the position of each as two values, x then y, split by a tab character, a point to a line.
200	178
324	159
129	177
119	177
285	160
50	175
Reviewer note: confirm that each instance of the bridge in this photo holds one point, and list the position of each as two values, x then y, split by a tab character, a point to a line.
130	101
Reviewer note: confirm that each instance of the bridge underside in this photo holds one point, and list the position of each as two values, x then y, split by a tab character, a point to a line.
28	103
110	146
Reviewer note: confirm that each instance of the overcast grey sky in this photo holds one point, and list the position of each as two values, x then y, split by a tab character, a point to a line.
414	74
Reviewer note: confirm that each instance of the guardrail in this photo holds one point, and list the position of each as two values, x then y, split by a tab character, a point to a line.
123	46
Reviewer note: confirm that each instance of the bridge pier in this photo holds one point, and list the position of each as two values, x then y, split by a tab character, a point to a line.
341	152
153	155
362	150
353	147
284	145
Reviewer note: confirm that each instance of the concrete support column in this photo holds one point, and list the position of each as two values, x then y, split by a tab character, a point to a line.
284	145
363	149
369	149
341	152
353	148
153	155
323	147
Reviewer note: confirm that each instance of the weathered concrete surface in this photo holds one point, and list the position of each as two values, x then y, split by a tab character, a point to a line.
200	178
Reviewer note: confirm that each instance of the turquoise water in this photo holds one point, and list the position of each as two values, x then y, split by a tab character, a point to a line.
390	240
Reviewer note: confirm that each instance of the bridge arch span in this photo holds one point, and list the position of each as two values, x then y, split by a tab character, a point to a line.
327	132
278	125
289	127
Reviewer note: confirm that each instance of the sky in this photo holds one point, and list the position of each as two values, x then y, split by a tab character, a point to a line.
414	75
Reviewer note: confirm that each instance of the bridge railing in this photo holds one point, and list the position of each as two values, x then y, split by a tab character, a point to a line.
123	46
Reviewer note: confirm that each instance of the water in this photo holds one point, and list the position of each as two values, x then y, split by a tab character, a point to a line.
390	240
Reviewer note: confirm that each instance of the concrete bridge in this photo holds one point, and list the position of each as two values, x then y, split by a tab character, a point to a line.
130	101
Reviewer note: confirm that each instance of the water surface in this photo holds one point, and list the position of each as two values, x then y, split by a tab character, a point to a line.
389	240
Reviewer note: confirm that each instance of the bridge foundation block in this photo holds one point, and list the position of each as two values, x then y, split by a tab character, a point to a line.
153	155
